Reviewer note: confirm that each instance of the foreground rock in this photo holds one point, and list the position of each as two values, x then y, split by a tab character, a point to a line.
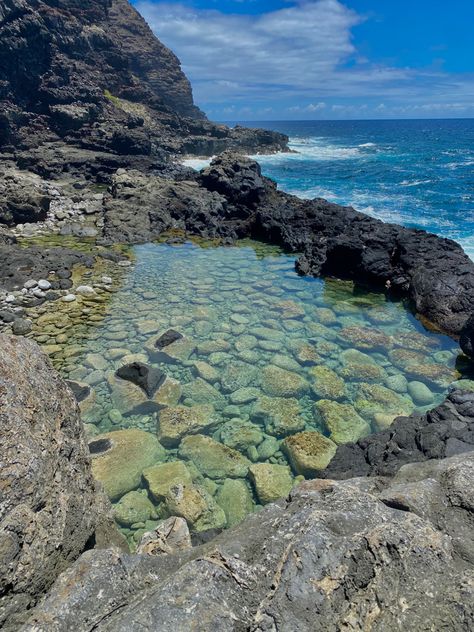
50	509
364	554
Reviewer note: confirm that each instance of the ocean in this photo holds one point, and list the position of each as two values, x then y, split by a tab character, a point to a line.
416	173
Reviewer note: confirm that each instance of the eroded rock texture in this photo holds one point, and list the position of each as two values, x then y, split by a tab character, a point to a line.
92	74
50	509
363	554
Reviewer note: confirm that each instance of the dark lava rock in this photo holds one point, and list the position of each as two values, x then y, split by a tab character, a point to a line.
167	338
92	74
442	432
148	378
50	509
19	264
364	554
467	338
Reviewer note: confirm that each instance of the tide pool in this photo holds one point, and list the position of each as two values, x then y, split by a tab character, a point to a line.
266	373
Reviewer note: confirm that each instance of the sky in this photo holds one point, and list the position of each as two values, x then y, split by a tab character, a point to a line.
322	59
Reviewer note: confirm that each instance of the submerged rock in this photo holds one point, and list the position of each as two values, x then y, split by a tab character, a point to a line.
196	506
213	459
271	482
342	421
327	384
134	507
130	398
162	477
280	415
309	452
119	458
177	421
278	382
235	499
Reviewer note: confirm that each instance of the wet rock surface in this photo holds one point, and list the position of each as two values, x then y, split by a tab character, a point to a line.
50	508
333	554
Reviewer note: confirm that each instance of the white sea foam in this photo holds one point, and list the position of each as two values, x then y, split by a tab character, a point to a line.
368	145
414	183
312	149
197	163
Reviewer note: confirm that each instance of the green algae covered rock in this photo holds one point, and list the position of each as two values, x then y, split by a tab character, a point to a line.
365	338
308	452
235	499
160	478
280	415
177	421
134	507
206	371
374	398
240	434
212	458
238	375
327	384
271	482
196	506
278	382
342	421
119	458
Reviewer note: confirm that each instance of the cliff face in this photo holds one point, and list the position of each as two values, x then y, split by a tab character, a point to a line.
91	73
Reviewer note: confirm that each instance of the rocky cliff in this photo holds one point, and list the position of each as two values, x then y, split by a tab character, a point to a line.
92	74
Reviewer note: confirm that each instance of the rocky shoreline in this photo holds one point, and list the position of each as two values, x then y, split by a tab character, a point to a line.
95	115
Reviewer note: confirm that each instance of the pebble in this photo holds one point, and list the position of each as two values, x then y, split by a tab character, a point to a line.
85	290
69	298
43	284
30	284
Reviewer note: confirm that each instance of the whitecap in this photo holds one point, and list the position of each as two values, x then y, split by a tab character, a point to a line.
197	163
414	183
368	145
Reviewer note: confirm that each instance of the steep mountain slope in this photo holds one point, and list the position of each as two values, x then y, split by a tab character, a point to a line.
91	73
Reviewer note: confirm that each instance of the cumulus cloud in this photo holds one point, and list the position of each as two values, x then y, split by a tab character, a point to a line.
297	57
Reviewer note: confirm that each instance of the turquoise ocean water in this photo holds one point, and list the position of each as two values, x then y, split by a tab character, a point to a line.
416	173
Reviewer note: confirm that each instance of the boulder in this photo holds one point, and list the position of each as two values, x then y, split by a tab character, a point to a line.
341	421
213	459
120	457
51	510
271	482
170	536
327	384
160	478
308	452
177	421
170	347
196	506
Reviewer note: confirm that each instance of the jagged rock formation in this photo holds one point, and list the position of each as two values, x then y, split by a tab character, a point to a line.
50	509
363	554
91	73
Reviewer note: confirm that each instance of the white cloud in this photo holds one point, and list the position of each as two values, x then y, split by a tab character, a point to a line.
297	59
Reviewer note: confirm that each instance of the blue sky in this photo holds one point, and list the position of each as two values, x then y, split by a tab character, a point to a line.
322	59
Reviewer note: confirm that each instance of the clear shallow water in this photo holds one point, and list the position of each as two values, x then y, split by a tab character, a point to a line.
270	354
416	173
